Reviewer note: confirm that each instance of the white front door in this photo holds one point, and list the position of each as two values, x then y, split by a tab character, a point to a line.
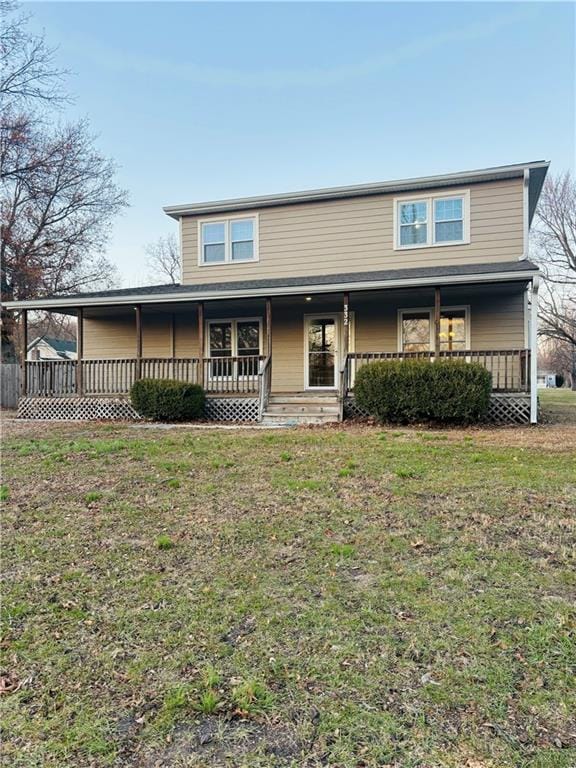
322	348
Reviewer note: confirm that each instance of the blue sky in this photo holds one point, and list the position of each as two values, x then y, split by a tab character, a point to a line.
199	101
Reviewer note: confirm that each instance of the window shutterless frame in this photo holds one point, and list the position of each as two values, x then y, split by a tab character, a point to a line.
430	312
227	222
430	201
234	370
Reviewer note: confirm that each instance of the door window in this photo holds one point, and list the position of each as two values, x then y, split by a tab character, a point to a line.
321	352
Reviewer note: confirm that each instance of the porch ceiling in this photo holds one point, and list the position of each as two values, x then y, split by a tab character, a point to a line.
422	277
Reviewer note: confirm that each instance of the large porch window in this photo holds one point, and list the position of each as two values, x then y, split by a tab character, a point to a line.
234	339
416	330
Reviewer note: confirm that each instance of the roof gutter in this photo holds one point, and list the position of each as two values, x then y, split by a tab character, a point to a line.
293	290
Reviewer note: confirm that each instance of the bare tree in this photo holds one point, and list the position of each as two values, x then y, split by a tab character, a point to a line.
558	357
53	324
164	259
27	70
555	252
58	196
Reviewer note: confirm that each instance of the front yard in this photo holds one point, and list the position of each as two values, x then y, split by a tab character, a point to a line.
315	597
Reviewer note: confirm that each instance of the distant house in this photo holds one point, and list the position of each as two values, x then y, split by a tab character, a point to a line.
546	379
47	348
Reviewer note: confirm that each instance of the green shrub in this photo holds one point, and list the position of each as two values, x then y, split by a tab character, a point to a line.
167	400
450	391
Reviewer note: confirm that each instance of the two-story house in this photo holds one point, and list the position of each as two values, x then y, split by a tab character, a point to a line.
284	296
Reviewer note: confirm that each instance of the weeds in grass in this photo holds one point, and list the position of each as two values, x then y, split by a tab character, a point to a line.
92	496
173	483
343	550
164	542
406	474
4	493
285	456
208	702
211	677
176	701
251	697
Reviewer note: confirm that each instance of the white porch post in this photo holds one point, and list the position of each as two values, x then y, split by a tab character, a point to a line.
534	351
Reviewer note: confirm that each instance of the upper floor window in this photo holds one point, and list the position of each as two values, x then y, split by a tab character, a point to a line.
228	240
432	220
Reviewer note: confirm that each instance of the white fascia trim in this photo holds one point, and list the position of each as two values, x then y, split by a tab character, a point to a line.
293	290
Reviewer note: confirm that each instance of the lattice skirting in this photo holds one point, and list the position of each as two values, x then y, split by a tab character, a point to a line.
231	408
97	408
352	410
509	409
76	408
504	409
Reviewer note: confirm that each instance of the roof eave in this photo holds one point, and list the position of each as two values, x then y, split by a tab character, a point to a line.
295	290
358	190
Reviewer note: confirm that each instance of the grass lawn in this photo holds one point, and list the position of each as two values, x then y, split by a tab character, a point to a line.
558	405
351	597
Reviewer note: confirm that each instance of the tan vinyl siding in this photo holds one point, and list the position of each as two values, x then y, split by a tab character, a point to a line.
109	337
115	336
357	234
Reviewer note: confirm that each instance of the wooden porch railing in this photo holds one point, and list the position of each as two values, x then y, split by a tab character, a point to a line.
231	375
510	368
46	378
115	376
264	385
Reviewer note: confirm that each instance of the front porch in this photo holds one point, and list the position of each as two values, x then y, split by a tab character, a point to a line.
298	349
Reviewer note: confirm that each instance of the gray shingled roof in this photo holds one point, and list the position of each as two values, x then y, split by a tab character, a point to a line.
346	278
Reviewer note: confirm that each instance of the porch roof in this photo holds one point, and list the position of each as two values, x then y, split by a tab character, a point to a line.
285	286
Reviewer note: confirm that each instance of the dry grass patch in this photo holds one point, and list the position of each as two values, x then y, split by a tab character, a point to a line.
316	597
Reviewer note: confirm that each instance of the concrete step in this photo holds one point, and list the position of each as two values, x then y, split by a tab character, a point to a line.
312	408
288	419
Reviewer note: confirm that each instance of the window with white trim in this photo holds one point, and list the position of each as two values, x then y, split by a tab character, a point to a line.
433	220
416	330
234	338
228	240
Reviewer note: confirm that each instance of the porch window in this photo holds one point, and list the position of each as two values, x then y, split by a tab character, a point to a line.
220	347
234	338
248	340
432	220
453	330
227	240
416	330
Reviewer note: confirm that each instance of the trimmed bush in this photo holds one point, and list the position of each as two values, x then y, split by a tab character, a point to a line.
450	391
167	400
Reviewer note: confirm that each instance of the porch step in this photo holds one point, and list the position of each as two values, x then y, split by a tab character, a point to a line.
301	408
323	398
313	408
286	419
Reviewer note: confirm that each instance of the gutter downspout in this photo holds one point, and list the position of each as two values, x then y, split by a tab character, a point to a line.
534	351
526	214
